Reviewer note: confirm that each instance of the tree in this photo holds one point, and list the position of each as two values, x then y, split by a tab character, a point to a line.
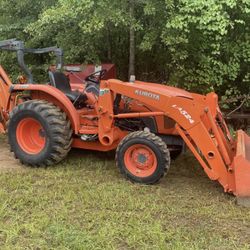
131	70
199	45
209	44
15	17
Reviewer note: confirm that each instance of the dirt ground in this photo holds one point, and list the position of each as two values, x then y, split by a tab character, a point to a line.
7	160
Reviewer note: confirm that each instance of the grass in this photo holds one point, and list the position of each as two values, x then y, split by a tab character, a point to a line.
84	203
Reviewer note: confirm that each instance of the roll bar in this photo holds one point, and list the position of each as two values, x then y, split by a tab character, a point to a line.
18	46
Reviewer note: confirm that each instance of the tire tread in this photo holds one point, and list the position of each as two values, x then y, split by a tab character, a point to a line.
59	127
150	137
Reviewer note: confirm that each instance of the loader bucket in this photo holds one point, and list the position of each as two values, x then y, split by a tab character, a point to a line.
242	169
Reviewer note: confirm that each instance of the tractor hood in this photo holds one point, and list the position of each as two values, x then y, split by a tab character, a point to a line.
166	90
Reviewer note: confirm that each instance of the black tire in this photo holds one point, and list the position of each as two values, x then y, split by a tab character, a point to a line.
56	131
155	144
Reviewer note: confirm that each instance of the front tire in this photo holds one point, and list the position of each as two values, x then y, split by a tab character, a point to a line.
143	157
39	133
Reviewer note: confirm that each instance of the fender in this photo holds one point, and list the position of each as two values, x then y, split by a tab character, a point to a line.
51	94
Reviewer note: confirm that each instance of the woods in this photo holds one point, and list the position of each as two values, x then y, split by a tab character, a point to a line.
198	45
91	162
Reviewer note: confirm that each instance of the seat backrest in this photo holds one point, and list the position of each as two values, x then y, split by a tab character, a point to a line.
92	88
59	81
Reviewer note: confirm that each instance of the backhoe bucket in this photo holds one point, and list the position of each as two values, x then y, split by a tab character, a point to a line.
242	169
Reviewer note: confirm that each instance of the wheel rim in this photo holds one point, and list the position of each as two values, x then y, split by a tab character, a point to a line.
140	160
31	136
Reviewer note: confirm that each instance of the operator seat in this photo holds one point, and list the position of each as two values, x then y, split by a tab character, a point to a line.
61	82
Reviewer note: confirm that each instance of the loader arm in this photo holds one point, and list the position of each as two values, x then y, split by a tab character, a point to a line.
198	121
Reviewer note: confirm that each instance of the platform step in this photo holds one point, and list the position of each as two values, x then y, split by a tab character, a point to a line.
88	130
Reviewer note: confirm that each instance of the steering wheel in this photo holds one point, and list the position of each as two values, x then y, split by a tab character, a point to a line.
96	77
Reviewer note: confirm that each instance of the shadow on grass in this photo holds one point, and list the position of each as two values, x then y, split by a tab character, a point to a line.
185	172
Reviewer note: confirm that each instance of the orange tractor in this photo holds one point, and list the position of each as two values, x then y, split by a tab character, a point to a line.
144	122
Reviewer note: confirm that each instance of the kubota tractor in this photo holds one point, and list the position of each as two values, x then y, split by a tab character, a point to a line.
144	122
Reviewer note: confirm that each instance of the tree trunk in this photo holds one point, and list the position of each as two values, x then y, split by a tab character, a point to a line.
109	45
131	70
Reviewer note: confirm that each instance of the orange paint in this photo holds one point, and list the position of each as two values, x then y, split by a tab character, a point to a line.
30	136
140	160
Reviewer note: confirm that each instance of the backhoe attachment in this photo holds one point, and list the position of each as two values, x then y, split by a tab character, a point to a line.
6	104
19	48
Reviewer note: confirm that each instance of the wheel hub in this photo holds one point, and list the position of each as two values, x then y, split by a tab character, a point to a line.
31	136
140	160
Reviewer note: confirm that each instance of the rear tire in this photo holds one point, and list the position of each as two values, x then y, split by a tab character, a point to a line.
39	133
143	157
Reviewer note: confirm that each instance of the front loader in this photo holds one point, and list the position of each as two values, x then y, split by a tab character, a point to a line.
145	122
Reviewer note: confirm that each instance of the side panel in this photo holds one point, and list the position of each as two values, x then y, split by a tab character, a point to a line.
93	145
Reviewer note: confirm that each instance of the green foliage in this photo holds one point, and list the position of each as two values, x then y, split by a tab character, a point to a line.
88	31
15	17
209	43
199	45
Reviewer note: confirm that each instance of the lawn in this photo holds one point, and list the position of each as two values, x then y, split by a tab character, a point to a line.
84	203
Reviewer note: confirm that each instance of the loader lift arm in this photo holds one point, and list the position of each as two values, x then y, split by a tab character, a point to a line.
198	121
